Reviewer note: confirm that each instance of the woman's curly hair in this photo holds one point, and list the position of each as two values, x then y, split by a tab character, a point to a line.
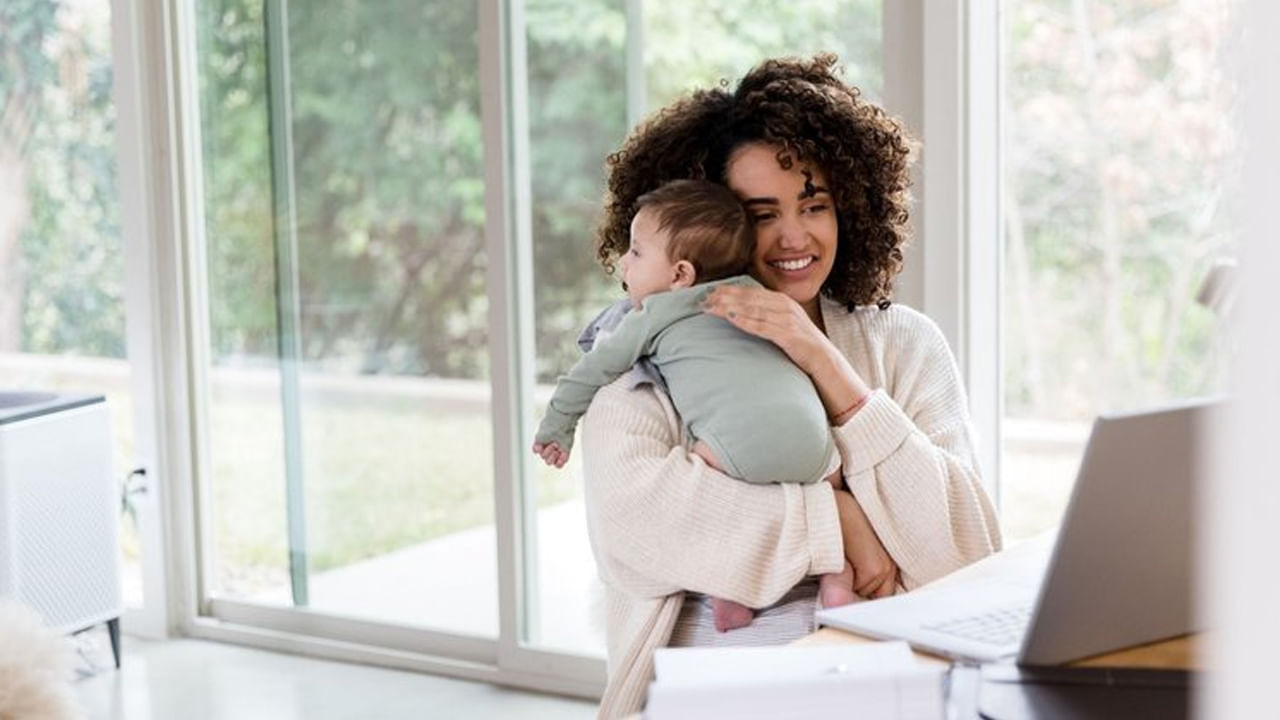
802	107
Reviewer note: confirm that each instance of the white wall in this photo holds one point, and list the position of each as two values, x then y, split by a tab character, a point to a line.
1240	579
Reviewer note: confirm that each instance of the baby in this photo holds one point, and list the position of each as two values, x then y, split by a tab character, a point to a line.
750	412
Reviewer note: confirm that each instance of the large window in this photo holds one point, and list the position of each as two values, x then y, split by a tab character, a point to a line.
348	420
349	405
1118	151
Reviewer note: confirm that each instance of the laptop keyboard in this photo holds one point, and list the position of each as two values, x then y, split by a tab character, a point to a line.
1000	627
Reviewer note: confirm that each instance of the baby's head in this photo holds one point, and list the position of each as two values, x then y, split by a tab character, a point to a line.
683	233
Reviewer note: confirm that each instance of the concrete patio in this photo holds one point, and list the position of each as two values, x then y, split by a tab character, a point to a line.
451	584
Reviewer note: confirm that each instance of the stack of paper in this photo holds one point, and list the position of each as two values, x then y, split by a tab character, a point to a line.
873	680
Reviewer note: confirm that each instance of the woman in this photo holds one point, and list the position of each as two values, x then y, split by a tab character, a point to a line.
824	177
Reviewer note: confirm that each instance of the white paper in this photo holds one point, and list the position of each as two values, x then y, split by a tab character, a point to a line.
873	680
749	665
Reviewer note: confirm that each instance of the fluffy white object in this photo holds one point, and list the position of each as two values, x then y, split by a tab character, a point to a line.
35	669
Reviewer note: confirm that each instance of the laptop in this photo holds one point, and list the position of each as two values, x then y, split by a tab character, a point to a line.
1116	574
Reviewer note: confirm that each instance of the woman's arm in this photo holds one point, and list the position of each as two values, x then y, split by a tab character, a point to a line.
909	461
662	521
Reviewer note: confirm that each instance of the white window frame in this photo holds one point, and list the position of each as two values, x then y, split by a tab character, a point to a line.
941	77
148	209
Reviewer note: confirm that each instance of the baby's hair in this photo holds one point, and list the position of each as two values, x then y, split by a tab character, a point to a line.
707	226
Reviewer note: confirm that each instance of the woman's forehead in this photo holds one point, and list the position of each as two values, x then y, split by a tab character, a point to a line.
757	172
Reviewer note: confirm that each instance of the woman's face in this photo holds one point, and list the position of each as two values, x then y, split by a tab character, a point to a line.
795	221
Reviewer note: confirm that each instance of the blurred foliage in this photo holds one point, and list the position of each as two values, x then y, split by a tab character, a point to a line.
389	164
690	45
1119	154
63	286
388	169
1118	148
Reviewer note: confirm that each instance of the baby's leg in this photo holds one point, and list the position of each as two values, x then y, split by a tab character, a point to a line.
730	615
836	589
703	451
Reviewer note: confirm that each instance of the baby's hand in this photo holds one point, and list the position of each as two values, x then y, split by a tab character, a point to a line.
551	453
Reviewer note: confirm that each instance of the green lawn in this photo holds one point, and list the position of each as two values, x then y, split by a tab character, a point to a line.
379	475
384	474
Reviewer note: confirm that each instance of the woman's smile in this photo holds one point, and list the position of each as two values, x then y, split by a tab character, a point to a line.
795	265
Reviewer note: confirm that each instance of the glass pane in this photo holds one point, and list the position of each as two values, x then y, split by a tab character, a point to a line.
250	554
578	114
695	45
61	250
1119	144
393	413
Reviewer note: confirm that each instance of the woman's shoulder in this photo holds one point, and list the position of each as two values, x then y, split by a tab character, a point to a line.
895	328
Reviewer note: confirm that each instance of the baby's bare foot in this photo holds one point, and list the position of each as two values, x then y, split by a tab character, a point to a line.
836	589
730	615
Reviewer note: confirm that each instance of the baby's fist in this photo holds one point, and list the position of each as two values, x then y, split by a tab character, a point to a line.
551	453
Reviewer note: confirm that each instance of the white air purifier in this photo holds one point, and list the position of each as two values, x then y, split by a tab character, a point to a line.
59	510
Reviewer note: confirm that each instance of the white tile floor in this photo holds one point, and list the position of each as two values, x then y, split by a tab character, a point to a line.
198	680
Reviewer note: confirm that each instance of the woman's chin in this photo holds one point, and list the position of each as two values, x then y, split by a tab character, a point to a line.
802	286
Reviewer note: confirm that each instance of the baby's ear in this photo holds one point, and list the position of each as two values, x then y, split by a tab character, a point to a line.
684	274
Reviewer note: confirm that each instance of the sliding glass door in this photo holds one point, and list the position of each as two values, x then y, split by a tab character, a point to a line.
348	429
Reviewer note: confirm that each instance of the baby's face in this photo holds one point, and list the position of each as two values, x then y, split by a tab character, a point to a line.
645	267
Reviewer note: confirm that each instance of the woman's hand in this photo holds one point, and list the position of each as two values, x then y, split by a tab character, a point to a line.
773	316
781	320
875	574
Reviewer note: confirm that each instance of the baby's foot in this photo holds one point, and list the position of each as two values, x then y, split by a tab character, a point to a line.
730	615
836	589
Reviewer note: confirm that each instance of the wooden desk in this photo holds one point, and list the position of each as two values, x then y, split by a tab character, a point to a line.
1177	654
963	682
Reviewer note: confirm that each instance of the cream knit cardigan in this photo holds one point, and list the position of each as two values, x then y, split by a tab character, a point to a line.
661	521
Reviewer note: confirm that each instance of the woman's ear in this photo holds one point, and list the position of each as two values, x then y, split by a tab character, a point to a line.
684	274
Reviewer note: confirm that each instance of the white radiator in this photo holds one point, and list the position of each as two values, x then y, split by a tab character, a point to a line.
59	509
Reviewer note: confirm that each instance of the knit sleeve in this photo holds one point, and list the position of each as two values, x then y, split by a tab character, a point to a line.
909	460
662	521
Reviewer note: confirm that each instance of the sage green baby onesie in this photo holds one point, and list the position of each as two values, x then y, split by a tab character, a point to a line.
738	393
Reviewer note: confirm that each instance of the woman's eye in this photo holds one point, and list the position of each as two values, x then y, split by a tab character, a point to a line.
635	252
762	217
816	209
